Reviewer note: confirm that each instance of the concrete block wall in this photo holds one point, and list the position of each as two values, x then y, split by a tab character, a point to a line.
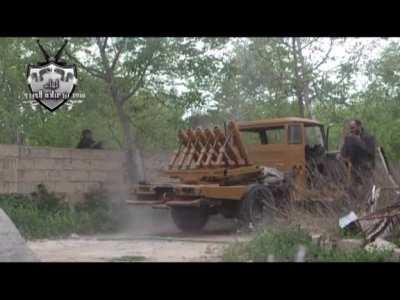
71	172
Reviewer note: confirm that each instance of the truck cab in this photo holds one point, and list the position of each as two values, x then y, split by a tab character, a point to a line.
288	144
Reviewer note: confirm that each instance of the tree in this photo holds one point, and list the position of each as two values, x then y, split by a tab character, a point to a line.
128	66
284	69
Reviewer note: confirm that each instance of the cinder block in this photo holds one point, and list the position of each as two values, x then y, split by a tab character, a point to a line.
82	164
28	187
106	165
91	186
67	164
33	175
24	151
89	154
98	164
53	174
57	175
60	153
46	164
8	175
69	187
76	175
58	164
26	164
9	163
8	150
115	187
79	187
115	177
77	164
8	187
116	155
41	152
97	176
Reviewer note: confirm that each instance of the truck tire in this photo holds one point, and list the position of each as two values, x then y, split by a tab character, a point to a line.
189	219
256	209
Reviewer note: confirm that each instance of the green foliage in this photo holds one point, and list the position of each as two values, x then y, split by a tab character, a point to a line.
45	200
45	215
283	245
169	78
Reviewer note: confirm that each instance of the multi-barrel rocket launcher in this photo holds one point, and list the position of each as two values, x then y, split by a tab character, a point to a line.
206	155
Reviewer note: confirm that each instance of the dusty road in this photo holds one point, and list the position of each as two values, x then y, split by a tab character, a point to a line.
150	237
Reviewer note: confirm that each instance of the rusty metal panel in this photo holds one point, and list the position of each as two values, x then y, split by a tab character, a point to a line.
223	192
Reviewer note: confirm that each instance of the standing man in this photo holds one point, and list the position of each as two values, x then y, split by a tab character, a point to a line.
359	149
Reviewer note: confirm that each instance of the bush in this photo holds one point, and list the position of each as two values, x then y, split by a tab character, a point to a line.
46	215
283	245
46	200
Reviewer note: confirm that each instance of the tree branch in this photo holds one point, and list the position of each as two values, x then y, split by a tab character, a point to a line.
113	135
91	71
308	44
325	58
102	50
116	57
286	43
139	82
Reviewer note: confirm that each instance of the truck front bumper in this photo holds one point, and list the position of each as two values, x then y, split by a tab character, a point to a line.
184	194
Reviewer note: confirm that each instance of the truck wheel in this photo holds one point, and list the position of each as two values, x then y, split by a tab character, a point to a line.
189	219
256	209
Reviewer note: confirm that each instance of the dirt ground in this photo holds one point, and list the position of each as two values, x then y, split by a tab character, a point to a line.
150	236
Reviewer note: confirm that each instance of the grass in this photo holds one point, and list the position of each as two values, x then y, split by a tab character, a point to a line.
283	245
45	215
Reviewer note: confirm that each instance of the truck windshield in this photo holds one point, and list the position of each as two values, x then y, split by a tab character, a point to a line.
313	135
275	135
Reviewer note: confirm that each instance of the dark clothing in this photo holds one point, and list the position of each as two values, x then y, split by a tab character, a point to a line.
361	153
359	150
88	143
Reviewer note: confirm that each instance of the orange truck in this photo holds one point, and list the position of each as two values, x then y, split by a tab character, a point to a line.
245	170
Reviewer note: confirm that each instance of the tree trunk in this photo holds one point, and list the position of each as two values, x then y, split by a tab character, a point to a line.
140	164
307	101
300	102
305	88
297	84
134	159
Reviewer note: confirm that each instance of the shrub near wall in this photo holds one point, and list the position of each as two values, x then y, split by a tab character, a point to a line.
42	214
